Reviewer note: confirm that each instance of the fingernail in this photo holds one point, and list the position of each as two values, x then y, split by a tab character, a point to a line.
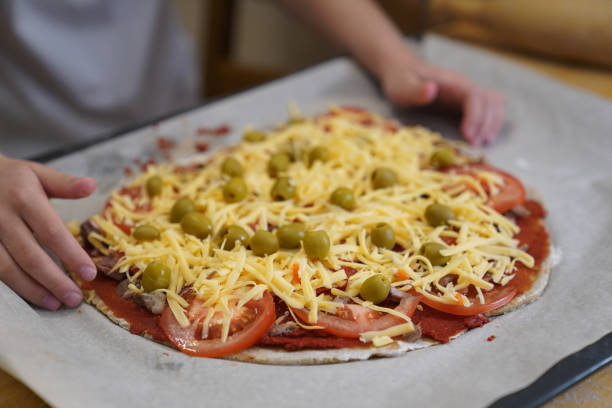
51	302
87	272
72	299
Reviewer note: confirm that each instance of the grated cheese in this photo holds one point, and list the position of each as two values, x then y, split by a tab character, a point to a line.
484	253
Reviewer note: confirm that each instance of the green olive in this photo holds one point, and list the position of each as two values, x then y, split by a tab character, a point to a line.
234	190
231	167
180	208
375	289
320	153
282	190
383	236
431	251
154	186
232	234
197	224
278	163
383	177
263	243
145	233
156	276
443	157
343	197
438	214
290	235
316	244
254	136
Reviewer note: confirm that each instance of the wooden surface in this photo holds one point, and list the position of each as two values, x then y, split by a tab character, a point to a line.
594	391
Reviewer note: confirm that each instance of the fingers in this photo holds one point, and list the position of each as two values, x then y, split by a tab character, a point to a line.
483	109
48	226
497	108
483	116
21	283
59	185
30	257
409	89
474	112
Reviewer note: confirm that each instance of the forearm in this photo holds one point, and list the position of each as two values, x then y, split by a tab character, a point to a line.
358	26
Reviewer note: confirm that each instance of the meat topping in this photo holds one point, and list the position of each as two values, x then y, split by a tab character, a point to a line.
154	302
105	264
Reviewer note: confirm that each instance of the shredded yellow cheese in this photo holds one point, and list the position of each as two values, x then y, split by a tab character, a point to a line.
484	252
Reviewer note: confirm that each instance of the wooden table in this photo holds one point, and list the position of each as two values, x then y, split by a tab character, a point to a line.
593	392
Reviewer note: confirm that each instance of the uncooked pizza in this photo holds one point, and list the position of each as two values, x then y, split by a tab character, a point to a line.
332	238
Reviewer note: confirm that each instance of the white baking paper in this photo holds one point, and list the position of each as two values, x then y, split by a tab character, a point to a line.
557	139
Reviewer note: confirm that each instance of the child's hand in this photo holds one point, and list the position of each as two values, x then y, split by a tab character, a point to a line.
25	212
412	82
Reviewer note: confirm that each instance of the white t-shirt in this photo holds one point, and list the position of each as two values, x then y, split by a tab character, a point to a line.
73	69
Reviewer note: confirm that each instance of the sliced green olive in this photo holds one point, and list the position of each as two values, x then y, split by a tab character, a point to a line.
290	235
145	233
431	251
232	167
197	224
320	153
343	197
234	190
156	276
383	177
154	186
443	157
383	236
438	214
375	289
316	244
181	207
282	189
254	136
263	243
232	234
278	163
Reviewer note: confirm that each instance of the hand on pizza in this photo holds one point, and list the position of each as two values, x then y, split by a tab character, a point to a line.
25	215
413	82
344	233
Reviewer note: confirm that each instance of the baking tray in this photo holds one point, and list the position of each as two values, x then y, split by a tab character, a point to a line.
76	358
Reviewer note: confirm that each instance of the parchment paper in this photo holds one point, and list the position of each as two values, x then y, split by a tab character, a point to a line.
557	140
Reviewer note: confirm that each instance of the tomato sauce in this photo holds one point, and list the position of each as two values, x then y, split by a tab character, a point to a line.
140	320
218	131
309	342
442	326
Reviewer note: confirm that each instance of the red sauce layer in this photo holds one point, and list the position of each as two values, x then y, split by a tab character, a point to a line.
308	342
140	320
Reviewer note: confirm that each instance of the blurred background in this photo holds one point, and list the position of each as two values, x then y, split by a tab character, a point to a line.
245	42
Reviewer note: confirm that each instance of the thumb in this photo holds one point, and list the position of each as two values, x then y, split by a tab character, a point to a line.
60	185
408	89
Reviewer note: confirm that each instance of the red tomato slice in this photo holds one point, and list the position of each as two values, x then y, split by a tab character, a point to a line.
352	320
246	328
511	194
494	299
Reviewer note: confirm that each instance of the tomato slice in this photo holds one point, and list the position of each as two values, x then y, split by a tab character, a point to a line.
247	327
511	194
494	299
353	320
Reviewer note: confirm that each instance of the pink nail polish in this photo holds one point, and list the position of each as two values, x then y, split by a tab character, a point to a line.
50	302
